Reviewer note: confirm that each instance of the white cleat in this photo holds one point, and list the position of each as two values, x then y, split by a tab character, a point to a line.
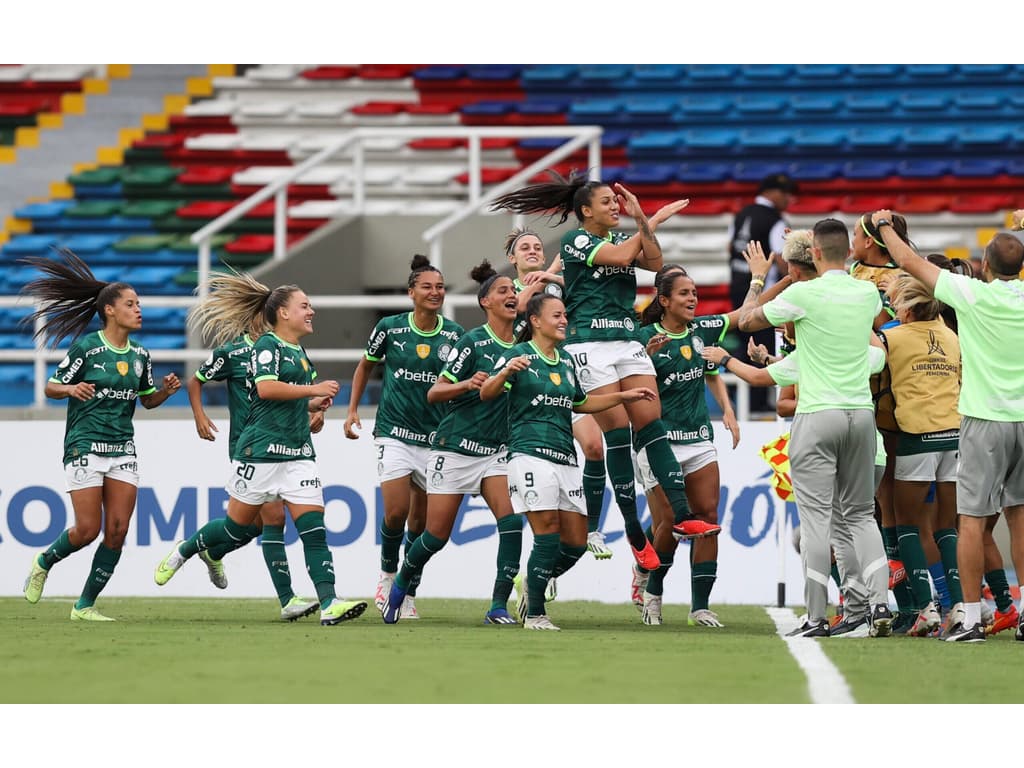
651	612
551	590
638	587
296	608
597	546
708	618
540	622
383	589
409	608
218	577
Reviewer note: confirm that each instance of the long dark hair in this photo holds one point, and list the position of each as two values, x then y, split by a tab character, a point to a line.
664	281
69	295
533	309
899	226
558	197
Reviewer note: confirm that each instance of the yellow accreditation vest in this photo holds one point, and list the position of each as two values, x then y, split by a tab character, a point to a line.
924	366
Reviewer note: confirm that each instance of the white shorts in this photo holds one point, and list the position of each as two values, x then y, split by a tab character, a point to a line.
599	363
691	457
939	466
88	471
396	459
456	473
297	482
536	485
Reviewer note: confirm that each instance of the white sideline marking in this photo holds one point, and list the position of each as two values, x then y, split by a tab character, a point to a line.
825	682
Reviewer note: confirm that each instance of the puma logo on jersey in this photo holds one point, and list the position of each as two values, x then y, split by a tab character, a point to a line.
489	357
101	366
289	360
400	344
534	372
666	355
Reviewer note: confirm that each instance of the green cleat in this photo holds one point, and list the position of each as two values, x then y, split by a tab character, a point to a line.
35	581
88	614
169	565
218	578
296	608
341	610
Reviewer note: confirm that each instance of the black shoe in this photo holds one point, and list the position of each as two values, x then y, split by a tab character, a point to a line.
1019	634
903	622
881	621
850	626
961	634
811	629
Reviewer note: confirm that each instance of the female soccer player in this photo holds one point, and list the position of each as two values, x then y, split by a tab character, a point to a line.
102	376
274	456
543	390
469	452
414	347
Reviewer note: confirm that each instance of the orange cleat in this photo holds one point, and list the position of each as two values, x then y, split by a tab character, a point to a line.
646	558
694	529
1003	620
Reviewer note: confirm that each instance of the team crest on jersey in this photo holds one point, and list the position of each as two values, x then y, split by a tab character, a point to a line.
138	367
444	351
686	352
423	351
122	367
555	379
305	365
698	344
581	241
307	450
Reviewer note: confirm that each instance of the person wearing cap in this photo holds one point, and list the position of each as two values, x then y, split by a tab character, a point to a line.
763	222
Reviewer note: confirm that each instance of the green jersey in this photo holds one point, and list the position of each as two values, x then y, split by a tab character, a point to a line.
230	362
680	370
412	361
554	289
277	430
472	426
599	298
102	425
540	405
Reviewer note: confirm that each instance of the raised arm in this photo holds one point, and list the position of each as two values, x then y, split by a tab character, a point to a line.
751	315
903	254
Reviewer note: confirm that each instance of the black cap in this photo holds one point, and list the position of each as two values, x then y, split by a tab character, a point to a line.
778	181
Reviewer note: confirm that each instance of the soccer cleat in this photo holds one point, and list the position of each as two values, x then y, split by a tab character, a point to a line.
881	621
958	633
341	610
988	616
169	565
519	582
1003	620
35	581
597	547
636	590
383	587
392	610
551	590
499	617
296	608
646	558
218	578
897	573
651	613
540	622
704	617
817	628
88	614
409	608
1019	632
694	529
926	622
850	626
956	615
835	620
903	622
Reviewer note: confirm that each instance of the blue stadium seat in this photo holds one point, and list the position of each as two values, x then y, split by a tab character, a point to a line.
863	104
929	137
815	104
767	72
1015	167
924	103
814	170
648	173
14	279
595	110
160	341
603	75
489	108
494	72
820	72
760	106
996	137
697	173
712	73
872	137
984	71
654	142
153	280
655	75
979	167
544	107
876	71
17	340
163	319
85	245
937	72
819	138
868	169
548	75
657	108
16	383
979	103
764	138
923	168
705	105
721	139
28	245
440	72
11	317
754	170
48	211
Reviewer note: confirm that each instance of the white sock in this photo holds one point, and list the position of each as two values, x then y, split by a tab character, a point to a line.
972	614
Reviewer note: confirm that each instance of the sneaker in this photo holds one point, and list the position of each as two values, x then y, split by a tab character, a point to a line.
903	622
341	610
651	613
694	529
835	620
704	617
597	547
409	608
522	600
499	617
956	615
392	610
88	614
1001	621
551	590
540	622
927	621
636	590
881	621
817	628
169	565
218	578
961	634
897	573
35	581
296	608
850	626
646	558
383	587
988	616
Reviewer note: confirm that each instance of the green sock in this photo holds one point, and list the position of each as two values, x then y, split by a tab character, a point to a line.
319	562
510	551
914	561
702	579
834	573
593	491
103	564
414	582
654	439
620	472
220	532
904	596
417	555
57	551
945	540
218	552
656	584
390	543
1000	588
538	571
567	558
277	562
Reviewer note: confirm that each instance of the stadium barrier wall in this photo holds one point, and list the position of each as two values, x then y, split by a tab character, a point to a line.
182	482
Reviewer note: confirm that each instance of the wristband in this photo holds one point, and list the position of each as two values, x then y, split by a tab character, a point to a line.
758	280
725	362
